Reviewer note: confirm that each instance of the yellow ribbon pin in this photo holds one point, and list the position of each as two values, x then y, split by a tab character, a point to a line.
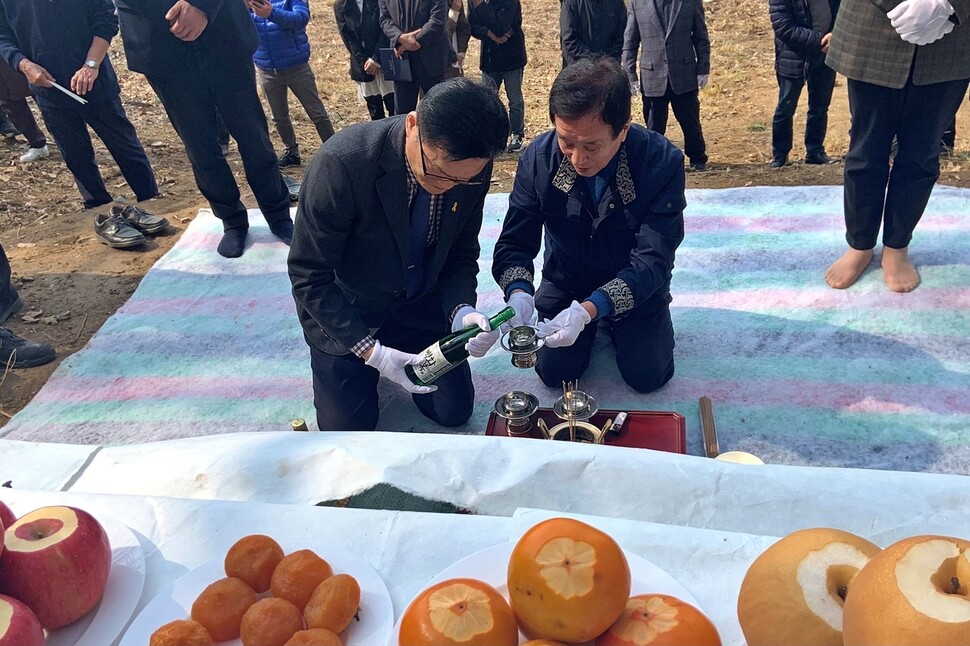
454	207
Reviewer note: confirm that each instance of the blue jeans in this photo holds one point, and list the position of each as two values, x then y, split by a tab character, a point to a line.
821	81
513	90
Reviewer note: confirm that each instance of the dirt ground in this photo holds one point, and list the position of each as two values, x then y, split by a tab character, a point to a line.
71	284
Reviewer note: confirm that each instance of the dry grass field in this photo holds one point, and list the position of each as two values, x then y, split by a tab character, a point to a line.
63	272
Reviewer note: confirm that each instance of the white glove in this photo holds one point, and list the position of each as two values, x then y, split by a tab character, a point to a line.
525	308
390	363
702	80
921	21
564	329
481	342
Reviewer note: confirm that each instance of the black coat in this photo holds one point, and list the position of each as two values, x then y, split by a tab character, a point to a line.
500	17
426	16
227	44
623	247
348	261
589	28
797	44
361	33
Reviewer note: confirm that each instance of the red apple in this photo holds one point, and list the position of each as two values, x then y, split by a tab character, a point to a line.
19	626
7	517
56	561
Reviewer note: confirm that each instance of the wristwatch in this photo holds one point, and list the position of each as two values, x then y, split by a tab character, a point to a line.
93	64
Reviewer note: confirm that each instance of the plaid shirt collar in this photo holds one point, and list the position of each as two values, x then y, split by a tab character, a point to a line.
436	202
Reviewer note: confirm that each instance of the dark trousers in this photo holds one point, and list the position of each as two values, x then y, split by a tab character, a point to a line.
193	102
513	90
23	120
821	81
345	388
406	92
687	111
916	115
68	126
644	343
8	293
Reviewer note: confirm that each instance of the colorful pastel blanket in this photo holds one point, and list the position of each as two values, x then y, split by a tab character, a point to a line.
799	373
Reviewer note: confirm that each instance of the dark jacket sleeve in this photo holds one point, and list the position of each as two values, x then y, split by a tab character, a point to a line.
616	46
662	231
573	47
9	46
701	40
436	22
323	222
391	29
513	261
798	38
102	17
481	19
458	279
209	7
296	19
347	34
631	44
510	21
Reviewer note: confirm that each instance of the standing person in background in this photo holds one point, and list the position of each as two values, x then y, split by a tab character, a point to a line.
68	43
197	56
498	24
416	31
803	31
13	99
459	33
908	68
675	64
283	63
359	24
590	28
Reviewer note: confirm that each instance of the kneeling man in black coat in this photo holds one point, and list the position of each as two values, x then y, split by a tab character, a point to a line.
384	260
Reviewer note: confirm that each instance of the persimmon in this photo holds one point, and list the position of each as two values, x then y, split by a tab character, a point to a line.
270	622
298	575
253	559
543	642
333	604
660	620
181	632
459	612
567	581
221	606
315	637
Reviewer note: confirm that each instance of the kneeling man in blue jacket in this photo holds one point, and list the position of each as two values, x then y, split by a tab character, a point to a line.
608	197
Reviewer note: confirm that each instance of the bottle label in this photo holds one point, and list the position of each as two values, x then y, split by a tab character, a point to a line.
433	364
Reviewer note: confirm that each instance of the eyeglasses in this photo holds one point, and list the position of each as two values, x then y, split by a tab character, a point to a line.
474	181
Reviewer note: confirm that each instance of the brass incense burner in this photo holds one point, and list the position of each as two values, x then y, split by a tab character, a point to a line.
575	407
523	343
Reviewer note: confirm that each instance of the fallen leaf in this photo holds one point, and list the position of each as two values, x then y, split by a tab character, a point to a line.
33	316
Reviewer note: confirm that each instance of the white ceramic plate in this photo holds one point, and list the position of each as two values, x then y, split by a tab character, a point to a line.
492	563
125	583
175	602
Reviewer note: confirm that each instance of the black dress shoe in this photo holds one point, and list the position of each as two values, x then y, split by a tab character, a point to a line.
21	353
779	162
819	159
293	187
114	231
698	167
140	218
290	157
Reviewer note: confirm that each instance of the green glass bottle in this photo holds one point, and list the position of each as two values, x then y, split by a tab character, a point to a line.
449	351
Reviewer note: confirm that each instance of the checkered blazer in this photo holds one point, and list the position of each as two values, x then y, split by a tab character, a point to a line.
865	47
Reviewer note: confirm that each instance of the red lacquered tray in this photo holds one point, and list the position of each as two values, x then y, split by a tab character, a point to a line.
658	430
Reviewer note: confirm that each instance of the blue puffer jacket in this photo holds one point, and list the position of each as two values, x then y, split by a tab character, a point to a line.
282	36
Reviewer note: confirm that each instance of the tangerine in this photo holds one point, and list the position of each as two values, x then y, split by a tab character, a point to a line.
253	559
333	604
221	607
298	575
270	622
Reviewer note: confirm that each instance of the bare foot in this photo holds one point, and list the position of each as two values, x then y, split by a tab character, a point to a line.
898	272
847	269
